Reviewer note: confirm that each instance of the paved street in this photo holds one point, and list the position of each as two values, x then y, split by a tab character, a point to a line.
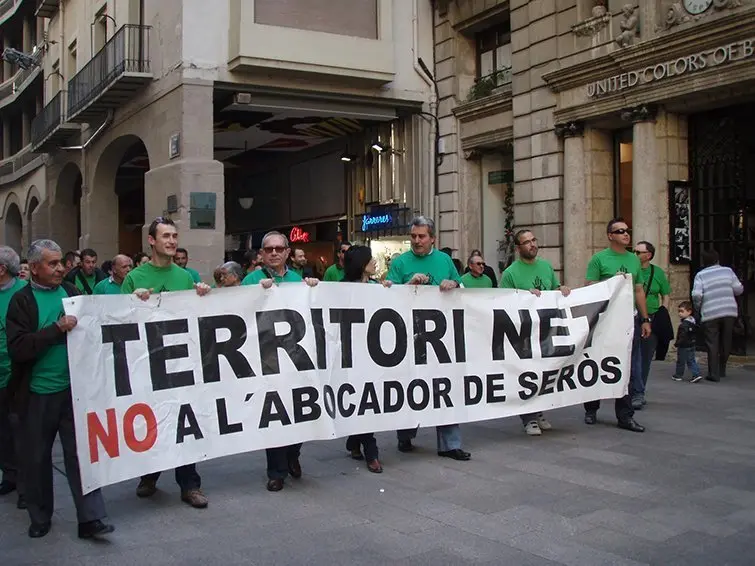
682	493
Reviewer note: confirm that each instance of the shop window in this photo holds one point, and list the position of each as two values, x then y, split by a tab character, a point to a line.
494	55
623	175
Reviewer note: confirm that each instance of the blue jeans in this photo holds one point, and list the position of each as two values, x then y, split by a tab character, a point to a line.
636	383
449	436
685	357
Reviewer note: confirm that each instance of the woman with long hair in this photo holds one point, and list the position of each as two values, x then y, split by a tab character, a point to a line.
359	267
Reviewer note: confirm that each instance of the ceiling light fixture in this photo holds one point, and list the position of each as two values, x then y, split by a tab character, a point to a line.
246	202
348	157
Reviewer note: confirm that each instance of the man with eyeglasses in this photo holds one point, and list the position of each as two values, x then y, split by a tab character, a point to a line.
158	275
614	260
282	460
475	278
533	274
335	272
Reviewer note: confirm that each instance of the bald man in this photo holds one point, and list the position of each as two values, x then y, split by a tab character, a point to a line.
122	264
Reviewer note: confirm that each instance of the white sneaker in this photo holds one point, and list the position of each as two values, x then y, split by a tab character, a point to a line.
543	423
532	429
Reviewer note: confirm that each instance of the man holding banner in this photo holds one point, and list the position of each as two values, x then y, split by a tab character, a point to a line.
424	265
161	274
282	460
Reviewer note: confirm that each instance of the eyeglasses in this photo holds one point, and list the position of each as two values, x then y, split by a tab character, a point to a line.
638	252
482	263
621	231
533	241
276	249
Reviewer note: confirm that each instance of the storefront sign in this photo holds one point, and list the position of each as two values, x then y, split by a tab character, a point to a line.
500	177
299	235
729	53
376	221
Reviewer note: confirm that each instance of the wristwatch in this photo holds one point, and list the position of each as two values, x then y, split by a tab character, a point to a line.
644	320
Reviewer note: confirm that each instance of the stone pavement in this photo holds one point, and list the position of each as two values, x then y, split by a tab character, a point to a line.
682	493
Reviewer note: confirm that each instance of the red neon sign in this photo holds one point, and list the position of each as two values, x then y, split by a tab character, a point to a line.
299	235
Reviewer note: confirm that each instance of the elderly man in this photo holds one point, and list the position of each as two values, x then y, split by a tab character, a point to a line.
475	277
10	439
231	274
158	275
424	265
122	265
283	460
86	276
37	329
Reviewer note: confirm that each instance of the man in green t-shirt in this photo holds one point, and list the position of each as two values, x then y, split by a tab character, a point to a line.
299	263
86	276
475	278
335	271
162	274
424	265
37	328
122	265
182	259
10	434
283	460
607	263
533	274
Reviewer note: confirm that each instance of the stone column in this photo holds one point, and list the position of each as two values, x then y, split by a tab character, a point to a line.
576	241
25	128
645	178
6	138
7	71
26	38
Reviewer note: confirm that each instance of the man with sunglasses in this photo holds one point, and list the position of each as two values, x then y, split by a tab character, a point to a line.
282	460
475	277
335	272
533	274
161	274
614	260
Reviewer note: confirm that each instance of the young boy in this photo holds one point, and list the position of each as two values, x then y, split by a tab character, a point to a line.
685	344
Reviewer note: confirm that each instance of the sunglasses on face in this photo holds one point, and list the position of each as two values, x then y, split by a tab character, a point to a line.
621	231
482	263
639	252
276	249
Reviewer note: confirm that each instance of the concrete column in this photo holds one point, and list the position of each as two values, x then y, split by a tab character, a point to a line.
645	178
25	128
576	223
6	138
26	37
6	66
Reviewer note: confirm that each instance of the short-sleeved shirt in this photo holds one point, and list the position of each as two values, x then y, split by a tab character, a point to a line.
289	276
436	265
194	274
659	285
107	287
471	281
158	279
49	374
334	273
5	296
525	276
607	263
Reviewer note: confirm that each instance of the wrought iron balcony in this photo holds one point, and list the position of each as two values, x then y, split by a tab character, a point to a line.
49	128
8	8
113	76
47	8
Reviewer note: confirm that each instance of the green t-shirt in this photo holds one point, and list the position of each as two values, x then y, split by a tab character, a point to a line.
107	287
436	265
49	374
5	297
525	276
658	286
91	281
607	263
298	270
159	279
290	276
194	274
471	282
334	273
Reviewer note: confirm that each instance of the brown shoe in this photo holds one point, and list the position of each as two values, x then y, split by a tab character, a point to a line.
275	485
195	498
147	487
294	468
375	466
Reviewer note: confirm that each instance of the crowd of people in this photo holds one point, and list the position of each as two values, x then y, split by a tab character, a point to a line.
35	394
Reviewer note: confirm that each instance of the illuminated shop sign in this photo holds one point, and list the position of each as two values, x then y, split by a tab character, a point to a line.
299	235
376	221
729	53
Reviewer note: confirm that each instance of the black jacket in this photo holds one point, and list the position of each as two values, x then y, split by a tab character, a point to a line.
26	343
664	332
685	336
99	275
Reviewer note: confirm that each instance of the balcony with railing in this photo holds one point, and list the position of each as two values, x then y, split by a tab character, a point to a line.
113	76
8	8
47	8
49	128
11	89
486	119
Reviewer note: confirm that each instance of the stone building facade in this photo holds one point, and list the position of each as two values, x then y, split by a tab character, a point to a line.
630	108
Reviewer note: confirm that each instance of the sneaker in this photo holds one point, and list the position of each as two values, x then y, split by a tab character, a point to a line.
543	423
195	498
532	429
147	487
695	378
677	378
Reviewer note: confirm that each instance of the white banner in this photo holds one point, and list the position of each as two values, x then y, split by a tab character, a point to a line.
181	378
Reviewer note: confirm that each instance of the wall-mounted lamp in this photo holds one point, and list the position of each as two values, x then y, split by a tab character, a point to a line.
348	157
246	202
384	148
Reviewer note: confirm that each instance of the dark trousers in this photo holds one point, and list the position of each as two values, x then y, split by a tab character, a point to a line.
367	441
10	442
187	477
278	459
47	416
718	334
685	358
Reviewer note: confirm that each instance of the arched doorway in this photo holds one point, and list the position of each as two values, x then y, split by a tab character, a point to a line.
66	209
30	209
13	227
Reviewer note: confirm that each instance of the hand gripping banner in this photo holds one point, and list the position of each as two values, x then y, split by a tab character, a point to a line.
181	378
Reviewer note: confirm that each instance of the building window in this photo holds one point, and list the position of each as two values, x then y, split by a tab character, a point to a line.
623	175
71	69
494	54
54	78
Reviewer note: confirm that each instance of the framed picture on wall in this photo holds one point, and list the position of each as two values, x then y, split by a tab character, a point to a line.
680	222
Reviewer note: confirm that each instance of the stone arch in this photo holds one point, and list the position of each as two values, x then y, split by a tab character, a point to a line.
32	205
13	223
115	203
65	213
33	198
